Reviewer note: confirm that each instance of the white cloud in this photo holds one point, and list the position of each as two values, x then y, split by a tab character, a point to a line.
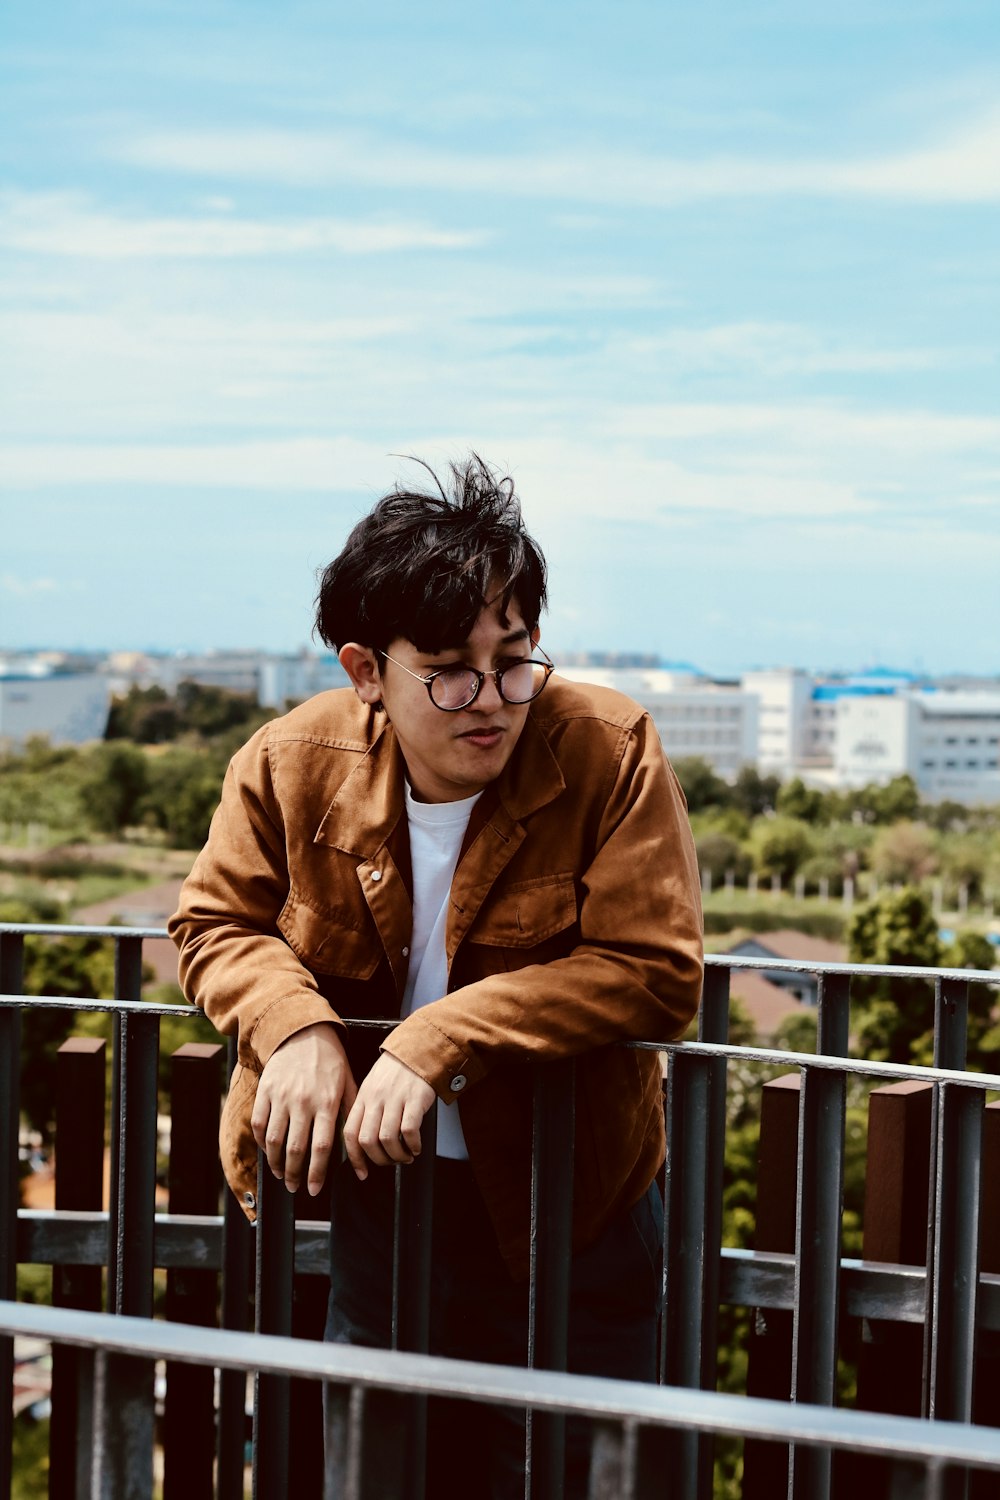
963	167
64	225
27	588
787	349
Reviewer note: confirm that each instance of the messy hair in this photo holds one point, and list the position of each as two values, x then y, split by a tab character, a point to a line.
421	565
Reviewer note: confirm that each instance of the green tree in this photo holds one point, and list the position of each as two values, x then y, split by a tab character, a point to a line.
904	852
780	845
899	798
113	783
183	792
753	793
719	853
701	786
796	800
896	1015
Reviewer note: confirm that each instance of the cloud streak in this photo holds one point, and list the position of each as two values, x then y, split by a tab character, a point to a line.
963	167
64	225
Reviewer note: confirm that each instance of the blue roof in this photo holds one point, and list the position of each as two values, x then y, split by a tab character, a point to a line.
830	691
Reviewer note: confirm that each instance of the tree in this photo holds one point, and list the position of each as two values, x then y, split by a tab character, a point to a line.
719	853
112	786
780	846
796	800
897	1015
904	852
701	786
753	793
183	793
899	798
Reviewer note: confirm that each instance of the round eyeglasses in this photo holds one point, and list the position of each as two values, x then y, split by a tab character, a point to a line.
454	688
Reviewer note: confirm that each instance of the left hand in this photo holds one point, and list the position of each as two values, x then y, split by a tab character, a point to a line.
383	1126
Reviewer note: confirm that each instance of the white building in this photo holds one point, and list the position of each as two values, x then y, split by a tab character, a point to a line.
948	741
693	715
68	708
784	697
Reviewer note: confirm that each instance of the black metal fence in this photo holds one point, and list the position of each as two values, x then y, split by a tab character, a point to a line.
952	1305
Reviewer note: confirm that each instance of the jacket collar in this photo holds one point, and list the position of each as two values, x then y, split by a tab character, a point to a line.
369	803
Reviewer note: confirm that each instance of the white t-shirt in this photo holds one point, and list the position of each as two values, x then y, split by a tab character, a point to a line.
436	833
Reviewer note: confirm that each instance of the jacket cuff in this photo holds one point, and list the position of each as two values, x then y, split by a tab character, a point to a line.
282	1019
448	1068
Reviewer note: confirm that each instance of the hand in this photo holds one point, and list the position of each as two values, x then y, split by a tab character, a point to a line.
384	1125
306	1086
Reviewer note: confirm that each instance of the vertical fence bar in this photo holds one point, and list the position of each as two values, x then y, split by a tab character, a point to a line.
686	1212
817	1265
11	983
123	1428
890	1359
194	1181
79	1153
553	1135
133	1143
237	1257
275	1268
954	1270
769	1361
411	1314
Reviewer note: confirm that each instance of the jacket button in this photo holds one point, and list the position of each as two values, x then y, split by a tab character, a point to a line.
376	874
250	1200
458	1083
406	952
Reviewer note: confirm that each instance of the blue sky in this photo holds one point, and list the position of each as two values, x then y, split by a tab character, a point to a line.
719	284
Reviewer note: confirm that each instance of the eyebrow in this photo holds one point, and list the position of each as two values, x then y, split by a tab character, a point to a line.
513	638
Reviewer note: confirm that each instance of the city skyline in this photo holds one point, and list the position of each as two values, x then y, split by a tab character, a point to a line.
719	290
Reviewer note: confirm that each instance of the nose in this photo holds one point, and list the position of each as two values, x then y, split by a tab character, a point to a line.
488	699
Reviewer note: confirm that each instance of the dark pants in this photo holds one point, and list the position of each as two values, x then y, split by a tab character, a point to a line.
479	1313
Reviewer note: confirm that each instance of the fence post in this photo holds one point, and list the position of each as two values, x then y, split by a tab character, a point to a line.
194	1180
79	1154
11	980
769	1367
275	1265
986	1409
897	1174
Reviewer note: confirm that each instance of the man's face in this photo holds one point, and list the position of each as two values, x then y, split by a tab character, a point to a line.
454	755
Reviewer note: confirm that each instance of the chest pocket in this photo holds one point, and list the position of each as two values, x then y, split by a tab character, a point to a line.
325	944
527	913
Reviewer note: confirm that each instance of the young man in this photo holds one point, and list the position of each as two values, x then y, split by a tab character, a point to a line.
500	863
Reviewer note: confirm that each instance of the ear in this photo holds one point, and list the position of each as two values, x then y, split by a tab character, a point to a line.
535	637
361	665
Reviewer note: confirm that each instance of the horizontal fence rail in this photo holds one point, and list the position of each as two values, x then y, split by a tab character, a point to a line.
798	1283
628	1403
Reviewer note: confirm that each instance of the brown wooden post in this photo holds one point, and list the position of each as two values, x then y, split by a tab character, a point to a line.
897	1179
192	1294
769	1366
79	1156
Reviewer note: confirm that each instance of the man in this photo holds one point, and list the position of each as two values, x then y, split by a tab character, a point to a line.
498	862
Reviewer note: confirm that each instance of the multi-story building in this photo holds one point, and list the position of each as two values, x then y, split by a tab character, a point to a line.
693	714
67	708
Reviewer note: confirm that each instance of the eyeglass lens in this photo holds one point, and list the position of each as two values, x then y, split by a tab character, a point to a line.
517	684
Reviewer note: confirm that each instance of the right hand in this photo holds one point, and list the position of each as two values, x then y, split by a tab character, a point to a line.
306	1087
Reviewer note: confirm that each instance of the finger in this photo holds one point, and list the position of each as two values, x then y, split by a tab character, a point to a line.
296	1149
409	1129
370	1135
324	1134
274	1140
355	1155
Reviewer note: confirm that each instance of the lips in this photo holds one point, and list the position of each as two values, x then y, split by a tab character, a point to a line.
485	738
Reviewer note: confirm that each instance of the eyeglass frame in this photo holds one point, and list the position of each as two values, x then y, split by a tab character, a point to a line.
497	673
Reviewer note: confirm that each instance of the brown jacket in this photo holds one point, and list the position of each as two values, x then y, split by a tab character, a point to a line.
575	922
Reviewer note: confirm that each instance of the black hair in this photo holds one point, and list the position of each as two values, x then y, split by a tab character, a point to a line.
421	565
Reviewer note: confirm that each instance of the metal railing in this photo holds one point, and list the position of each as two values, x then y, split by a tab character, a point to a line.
954	1302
